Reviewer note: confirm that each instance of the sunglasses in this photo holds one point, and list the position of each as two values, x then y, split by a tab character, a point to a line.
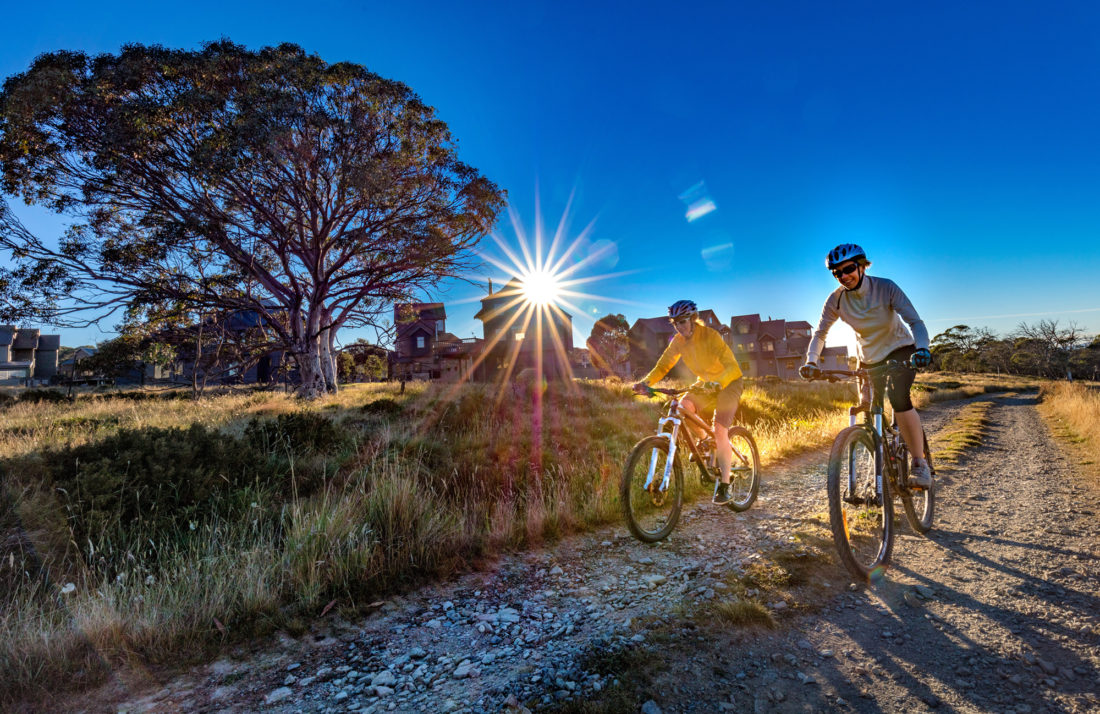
681	321
846	270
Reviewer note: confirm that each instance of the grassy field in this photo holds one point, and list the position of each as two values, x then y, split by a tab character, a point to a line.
140	525
1073	412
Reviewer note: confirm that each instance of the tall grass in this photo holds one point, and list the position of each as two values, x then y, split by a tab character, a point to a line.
345	499
1074	409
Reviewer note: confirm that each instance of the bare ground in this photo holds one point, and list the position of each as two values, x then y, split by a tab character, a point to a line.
996	610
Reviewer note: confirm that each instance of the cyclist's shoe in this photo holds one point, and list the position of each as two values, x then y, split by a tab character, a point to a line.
722	495
920	476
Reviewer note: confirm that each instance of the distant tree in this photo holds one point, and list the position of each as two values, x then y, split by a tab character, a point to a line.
1047	347
345	364
608	344
225	179
116	358
375	367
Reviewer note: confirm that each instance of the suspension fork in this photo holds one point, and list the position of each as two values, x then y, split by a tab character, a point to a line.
876	427
671	436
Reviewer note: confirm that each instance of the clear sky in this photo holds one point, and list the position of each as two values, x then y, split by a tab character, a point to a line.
957	142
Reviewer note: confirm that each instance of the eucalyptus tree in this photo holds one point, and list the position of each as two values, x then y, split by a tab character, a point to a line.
224	179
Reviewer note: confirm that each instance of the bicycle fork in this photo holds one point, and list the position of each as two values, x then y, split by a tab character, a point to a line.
671	436
876	426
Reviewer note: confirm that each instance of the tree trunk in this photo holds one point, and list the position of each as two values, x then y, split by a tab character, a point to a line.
328	359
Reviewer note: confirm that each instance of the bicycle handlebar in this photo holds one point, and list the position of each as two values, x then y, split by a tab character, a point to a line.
673	392
836	375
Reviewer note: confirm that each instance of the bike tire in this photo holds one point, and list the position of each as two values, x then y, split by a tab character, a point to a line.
650	515
919	504
862	532
745	484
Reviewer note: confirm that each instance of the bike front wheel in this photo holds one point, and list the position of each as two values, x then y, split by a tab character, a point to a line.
650	505
860	514
744	469
919	503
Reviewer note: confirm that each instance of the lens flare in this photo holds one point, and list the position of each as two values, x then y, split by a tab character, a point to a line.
541	287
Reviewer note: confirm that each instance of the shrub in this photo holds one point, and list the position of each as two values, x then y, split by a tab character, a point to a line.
385	407
296	434
143	485
36	396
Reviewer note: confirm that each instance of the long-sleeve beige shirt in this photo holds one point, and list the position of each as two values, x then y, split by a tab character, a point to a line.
876	311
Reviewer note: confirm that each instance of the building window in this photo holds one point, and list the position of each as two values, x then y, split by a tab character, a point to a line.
791	364
740	347
768	346
743	329
420	342
752	346
842	360
519	336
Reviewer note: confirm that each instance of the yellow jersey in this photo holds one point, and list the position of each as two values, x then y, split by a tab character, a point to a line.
706	354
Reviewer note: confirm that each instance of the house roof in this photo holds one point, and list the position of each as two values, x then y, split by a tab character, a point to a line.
430	310
798	325
7	334
776	329
25	339
49	342
508	299
753	322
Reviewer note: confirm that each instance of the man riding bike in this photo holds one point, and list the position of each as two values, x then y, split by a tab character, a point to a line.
707	355
875	309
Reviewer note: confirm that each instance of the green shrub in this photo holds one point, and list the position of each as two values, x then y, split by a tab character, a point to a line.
384	407
296	434
142	485
37	396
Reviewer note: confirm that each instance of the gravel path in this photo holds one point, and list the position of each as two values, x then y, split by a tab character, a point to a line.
998	609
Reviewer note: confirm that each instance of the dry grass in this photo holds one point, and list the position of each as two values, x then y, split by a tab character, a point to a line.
1073	412
427	482
964	433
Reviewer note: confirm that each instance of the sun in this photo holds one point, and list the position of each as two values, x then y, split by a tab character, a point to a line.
541	287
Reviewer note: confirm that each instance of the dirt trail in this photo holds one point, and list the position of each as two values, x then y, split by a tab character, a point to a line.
998	609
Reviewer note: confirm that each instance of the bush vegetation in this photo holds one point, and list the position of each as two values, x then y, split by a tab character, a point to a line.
150	527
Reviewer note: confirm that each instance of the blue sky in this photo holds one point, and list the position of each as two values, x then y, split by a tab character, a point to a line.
956	143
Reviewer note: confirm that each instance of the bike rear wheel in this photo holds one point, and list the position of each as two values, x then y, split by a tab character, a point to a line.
744	469
860	517
651	511
919	503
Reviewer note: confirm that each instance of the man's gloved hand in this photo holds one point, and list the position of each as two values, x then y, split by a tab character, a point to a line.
641	388
809	371
711	386
921	358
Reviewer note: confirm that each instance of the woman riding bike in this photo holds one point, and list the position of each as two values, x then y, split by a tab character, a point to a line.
707	355
875	309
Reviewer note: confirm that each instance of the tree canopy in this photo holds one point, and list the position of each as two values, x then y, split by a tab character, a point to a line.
311	194
608	345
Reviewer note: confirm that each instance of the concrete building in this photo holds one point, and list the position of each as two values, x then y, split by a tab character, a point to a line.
516	339
26	352
777	347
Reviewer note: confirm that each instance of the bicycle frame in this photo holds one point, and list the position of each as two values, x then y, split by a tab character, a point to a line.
873	422
676	417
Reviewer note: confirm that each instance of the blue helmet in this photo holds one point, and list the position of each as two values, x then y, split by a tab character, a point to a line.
843	253
682	308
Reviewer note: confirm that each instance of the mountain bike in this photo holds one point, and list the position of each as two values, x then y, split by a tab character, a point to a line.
868	468
652	488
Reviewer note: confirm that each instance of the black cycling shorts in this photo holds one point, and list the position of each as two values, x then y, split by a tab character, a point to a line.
896	382
726	402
